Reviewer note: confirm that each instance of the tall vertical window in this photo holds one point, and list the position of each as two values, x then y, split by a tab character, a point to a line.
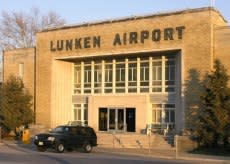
157	74
77	112
170	74
80	113
156	113
85	117
144	75
21	70
97	77
163	114
108	77
169	113
87	77
132	75
120	76
77	78
152	74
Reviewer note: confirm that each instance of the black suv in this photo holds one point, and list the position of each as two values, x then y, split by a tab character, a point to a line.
67	137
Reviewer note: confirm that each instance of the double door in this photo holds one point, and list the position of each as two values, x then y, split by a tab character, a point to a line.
117	119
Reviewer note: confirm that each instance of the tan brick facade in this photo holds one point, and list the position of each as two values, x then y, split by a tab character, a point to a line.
193	34
11	61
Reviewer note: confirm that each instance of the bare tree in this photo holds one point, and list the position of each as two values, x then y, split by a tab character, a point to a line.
18	29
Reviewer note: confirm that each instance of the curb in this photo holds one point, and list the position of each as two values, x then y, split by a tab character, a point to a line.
135	154
110	150
166	157
204	159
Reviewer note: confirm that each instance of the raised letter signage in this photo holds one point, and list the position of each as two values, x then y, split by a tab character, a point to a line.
120	39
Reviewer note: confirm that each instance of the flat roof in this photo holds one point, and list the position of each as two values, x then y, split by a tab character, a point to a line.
158	14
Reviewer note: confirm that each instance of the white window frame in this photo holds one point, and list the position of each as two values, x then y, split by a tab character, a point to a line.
162	108
79	111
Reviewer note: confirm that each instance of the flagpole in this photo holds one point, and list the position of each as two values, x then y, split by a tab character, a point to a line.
212	3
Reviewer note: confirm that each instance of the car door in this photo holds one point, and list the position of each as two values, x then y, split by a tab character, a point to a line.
80	137
72	137
67	136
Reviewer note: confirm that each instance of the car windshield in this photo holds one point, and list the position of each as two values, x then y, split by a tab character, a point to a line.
60	129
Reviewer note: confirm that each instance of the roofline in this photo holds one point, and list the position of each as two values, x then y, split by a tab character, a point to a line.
159	14
19	49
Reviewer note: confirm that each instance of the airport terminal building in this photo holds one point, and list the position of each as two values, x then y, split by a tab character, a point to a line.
121	74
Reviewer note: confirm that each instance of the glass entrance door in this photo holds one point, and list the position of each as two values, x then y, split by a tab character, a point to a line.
120	119
116	119
112	119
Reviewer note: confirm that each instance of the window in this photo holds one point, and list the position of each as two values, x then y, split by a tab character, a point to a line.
21	70
144	75
157	113
77	112
152	74
80	113
85	113
163	114
87	78
132	75
170	74
170	113
77	78
97	77
157	75
120	76
108	77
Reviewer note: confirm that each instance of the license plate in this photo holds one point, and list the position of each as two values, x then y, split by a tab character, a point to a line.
40	143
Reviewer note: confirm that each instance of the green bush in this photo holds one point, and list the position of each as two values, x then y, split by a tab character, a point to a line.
15	104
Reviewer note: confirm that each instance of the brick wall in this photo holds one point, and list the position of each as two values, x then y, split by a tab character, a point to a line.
13	58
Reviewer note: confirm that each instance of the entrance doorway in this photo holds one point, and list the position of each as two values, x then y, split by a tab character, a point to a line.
117	119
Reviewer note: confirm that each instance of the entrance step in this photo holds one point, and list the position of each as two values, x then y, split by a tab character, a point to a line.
129	140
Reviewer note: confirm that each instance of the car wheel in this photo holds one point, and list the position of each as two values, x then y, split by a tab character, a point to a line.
60	147
41	148
87	147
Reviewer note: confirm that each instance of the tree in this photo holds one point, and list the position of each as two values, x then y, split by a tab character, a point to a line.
15	109
18	29
214	119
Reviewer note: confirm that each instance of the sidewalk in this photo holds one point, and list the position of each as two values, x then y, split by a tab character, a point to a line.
153	153
166	154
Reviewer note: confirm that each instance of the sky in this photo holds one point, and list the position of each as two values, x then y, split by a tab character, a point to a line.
79	11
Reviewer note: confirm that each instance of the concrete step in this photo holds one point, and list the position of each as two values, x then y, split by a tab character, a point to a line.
132	141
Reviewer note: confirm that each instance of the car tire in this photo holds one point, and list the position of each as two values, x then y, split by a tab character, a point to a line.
41	148
60	147
87	147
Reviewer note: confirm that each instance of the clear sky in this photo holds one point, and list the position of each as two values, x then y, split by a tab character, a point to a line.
78	11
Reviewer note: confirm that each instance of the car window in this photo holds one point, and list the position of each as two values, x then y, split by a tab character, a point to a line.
73	131
66	129
83	131
90	132
59	129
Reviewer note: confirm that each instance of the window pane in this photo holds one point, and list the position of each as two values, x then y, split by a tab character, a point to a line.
172	73
79	114
169	105
167	116
153	116
172	116
159	116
